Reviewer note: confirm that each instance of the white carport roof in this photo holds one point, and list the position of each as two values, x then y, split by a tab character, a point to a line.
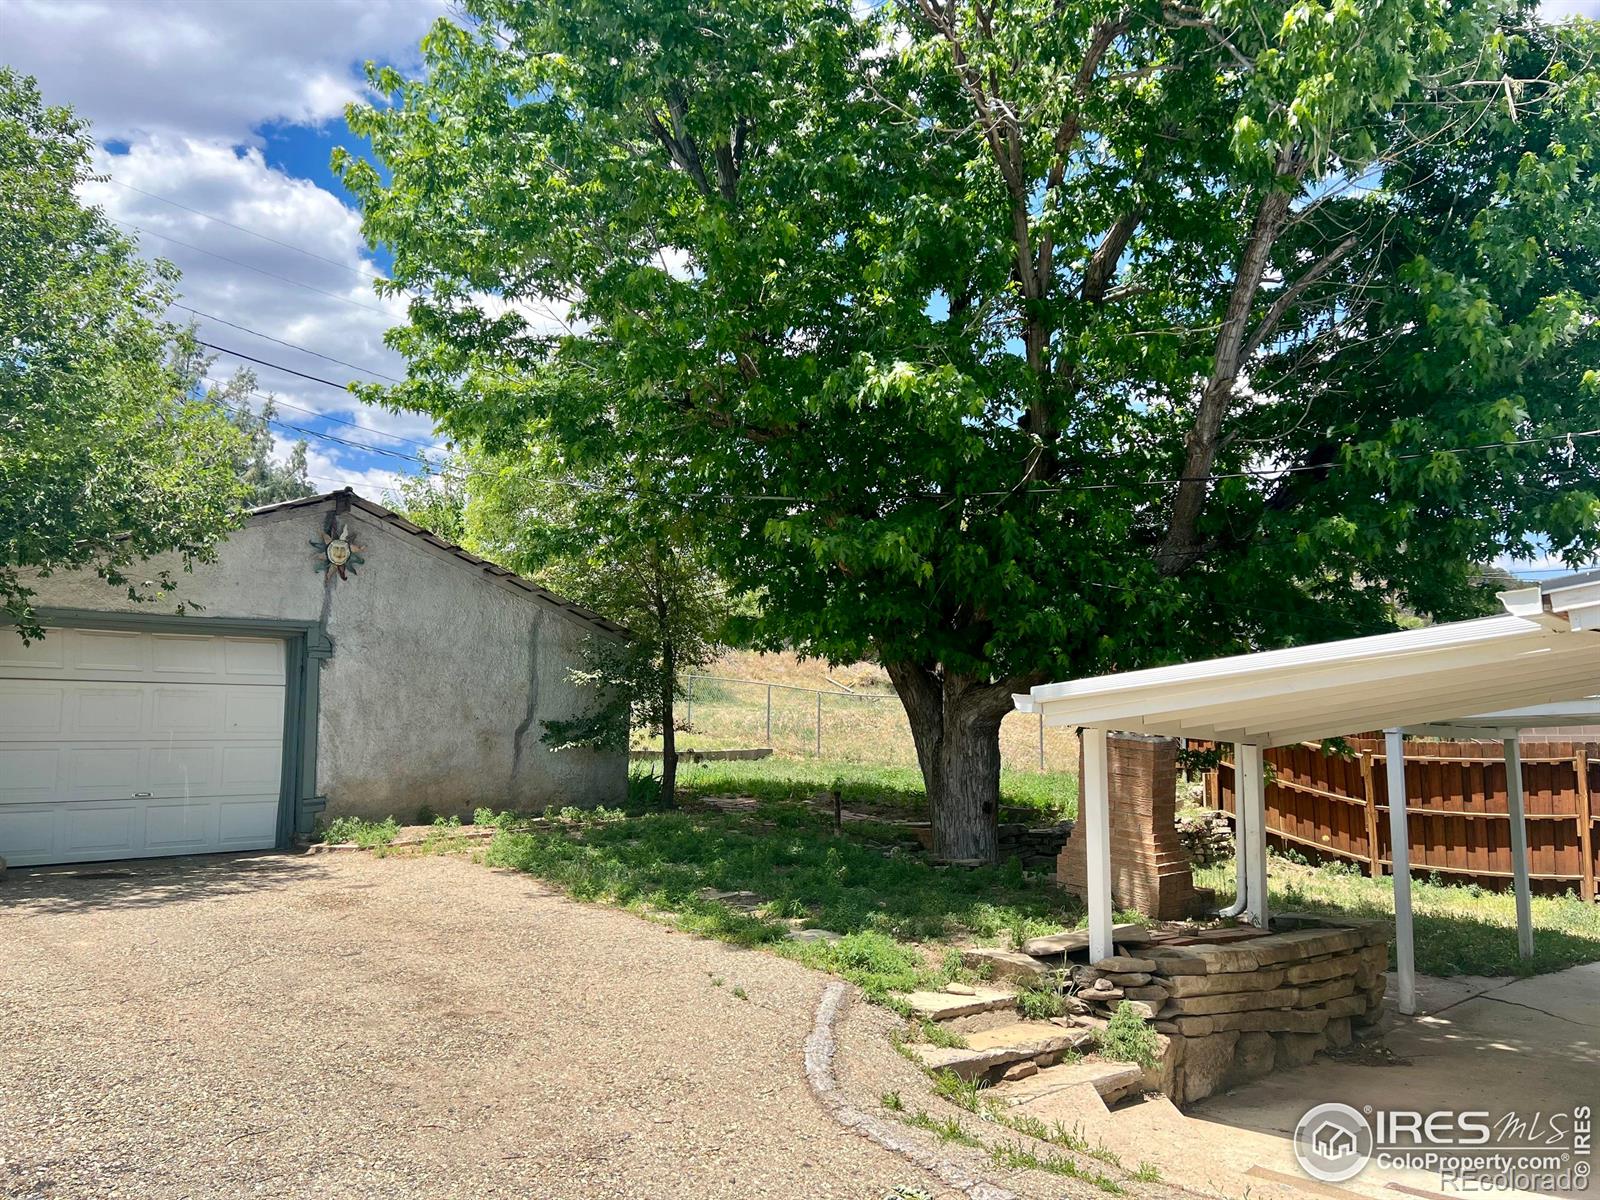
1535	665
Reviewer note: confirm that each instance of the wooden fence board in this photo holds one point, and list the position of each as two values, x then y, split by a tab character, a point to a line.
1458	815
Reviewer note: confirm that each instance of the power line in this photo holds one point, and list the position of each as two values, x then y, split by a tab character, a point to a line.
343	387
291	345
333	262
251	267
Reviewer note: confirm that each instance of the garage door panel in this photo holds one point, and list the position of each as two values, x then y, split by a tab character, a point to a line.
29	773
253	712
28	710
181	770
106	650
178	826
100	828
247	822
48	654
184	654
248	769
116	745
28	832
252	659
103	772
105	711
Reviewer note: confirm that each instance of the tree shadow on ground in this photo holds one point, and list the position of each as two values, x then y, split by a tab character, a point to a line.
83	887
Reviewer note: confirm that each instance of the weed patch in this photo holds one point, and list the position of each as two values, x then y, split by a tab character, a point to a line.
367	834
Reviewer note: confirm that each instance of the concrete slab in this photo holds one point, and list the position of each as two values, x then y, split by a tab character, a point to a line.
1526	1046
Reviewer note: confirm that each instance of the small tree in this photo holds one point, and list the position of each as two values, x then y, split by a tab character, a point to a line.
266	480
605	545
105	459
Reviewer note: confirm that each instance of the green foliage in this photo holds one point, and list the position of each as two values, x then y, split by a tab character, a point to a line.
364	833
425	815
1128	1037
892	1101
884	905
946	1129
998	344
436	500
1016	1154
105	460
937	1034
1040	1003
899	791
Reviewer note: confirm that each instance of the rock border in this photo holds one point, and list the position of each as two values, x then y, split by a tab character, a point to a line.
819	1054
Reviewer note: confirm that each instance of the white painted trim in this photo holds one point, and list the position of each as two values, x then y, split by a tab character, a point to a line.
1405	954
1096	815
1517	807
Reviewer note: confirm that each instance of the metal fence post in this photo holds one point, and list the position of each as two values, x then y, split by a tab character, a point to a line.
1041	741
769	715
819	724
688	718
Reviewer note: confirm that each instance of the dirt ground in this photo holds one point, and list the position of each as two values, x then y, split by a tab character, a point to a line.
337	1025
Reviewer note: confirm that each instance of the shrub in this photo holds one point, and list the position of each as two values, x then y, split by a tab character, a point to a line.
364	833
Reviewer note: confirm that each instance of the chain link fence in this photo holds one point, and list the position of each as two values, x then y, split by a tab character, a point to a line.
726	713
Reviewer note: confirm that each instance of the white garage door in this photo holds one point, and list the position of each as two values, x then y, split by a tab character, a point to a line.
127	745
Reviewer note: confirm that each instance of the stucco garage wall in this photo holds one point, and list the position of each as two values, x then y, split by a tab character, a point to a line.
441	677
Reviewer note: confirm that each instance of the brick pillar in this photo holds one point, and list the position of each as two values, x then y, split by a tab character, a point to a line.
1149	869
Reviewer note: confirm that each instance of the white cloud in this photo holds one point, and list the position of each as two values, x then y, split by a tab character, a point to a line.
1555	10
241	277
208	68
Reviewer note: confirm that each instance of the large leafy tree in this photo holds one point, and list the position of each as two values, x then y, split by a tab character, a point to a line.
267	478
1001	340
105	459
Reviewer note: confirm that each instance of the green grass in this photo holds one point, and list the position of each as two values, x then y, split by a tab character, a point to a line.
946	1129
1127	1038
887	902
867	788
1015	1154
1460	929
367	834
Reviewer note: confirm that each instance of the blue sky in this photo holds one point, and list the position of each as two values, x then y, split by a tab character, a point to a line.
216	119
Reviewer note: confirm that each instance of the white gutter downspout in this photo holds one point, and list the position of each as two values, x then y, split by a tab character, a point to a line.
1241	849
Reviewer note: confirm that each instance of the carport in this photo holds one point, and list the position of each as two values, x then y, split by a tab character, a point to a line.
1537	665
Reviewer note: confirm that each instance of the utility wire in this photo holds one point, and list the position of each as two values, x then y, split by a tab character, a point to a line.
251	267
291	345
332	262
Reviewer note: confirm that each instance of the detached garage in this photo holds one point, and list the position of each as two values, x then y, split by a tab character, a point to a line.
335	659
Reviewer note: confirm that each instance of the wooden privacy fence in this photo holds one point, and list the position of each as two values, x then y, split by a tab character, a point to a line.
1456	808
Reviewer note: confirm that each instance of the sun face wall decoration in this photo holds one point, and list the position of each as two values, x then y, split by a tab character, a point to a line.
336	553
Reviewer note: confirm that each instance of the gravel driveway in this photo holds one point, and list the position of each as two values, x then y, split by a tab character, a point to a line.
339	1025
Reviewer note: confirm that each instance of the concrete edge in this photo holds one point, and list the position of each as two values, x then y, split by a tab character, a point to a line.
819	1053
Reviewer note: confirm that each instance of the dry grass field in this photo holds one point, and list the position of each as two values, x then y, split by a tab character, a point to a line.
862	720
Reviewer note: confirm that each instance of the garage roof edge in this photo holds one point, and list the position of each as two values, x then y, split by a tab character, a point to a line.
389	516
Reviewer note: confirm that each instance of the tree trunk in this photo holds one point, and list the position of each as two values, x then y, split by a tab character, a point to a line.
669	735
955	723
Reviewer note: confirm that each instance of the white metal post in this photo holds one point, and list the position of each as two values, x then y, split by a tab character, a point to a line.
1096	817
1250	798
1041	739
1400	858
1517	807
769	714
819	724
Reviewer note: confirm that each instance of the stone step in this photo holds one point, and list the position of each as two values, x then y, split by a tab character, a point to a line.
1110	1080
947	1006
1000	1047
1069	940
